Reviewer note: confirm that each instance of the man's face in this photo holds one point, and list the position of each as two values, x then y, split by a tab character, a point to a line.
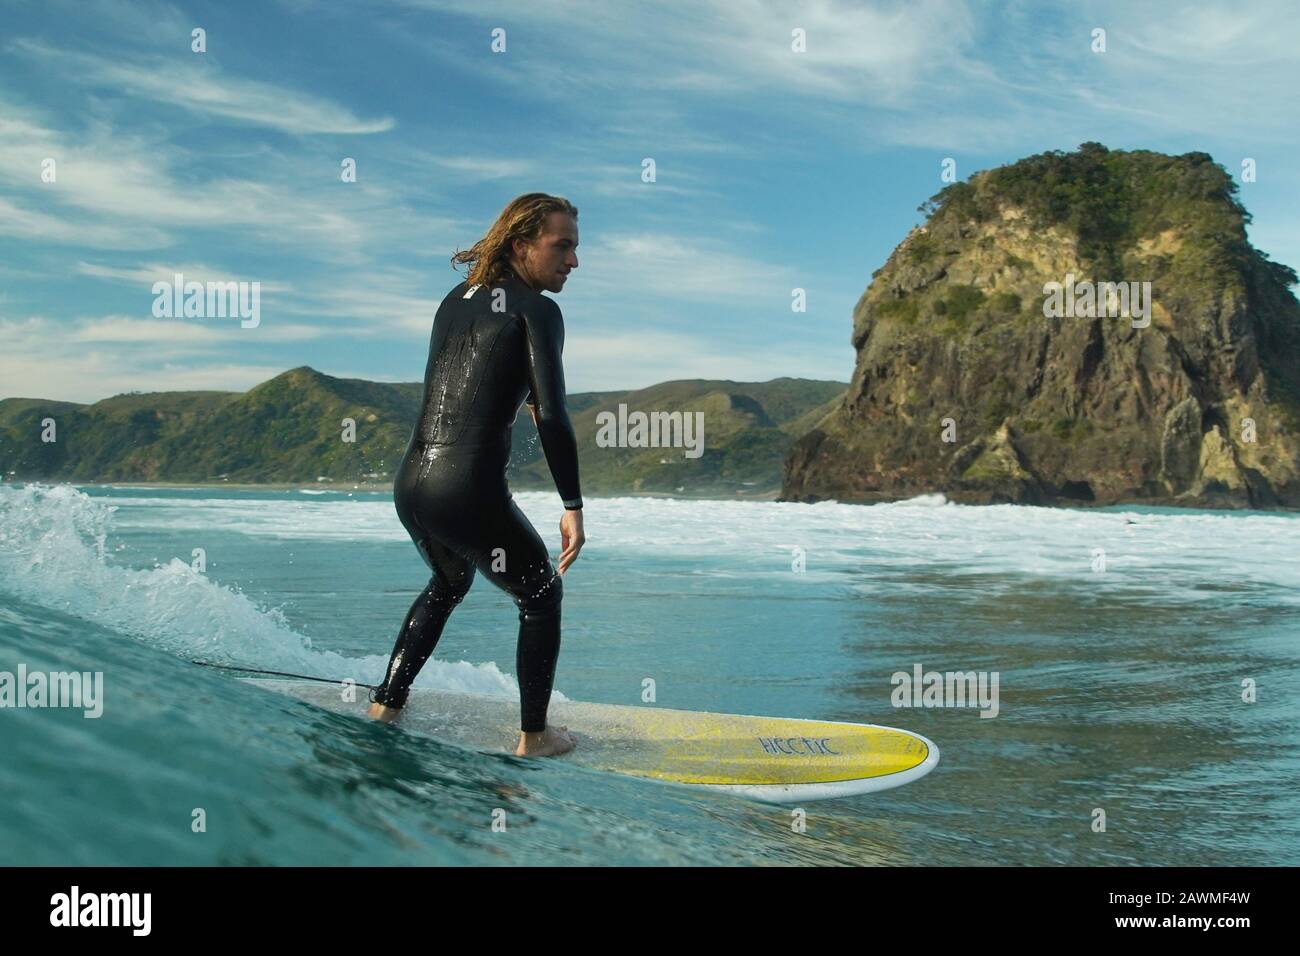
546	262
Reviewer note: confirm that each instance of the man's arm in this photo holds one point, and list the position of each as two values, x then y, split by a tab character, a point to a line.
544	325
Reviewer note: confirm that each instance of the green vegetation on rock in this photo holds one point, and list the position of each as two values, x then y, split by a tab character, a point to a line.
953	326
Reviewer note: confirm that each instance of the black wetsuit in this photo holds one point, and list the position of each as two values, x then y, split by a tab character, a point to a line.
490	348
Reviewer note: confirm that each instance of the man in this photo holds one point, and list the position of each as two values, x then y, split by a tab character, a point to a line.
496	341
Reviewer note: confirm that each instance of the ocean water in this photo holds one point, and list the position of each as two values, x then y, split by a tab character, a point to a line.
1120	687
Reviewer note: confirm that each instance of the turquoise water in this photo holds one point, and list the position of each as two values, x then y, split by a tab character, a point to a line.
1119	689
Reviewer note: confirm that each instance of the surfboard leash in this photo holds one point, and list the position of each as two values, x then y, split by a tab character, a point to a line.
255	670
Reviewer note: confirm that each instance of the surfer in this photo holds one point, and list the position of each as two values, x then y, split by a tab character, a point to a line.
496	343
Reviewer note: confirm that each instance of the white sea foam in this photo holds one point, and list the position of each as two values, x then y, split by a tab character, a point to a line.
52	541
1166	550
53	554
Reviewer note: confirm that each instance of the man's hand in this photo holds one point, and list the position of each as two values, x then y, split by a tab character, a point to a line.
571	537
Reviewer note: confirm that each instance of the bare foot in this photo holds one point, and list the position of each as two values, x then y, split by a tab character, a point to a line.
550	742
385	714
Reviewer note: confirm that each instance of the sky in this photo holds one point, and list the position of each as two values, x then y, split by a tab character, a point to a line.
776	168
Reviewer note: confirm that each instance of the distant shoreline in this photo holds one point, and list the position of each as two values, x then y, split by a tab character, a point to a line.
265	485
375	486
772	495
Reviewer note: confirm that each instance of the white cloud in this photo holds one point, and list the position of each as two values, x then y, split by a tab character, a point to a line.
674	177
90	359
724	48
623	268
942	74
116	188
193	82
177	334
370	306
637	359
146	275
486	167
30	224
134	21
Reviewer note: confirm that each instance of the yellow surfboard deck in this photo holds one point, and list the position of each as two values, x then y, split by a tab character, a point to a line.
778	759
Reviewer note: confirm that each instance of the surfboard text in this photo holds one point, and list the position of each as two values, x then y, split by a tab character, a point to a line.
791	745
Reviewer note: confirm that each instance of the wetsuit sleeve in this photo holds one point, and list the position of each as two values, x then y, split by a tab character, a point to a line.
544	325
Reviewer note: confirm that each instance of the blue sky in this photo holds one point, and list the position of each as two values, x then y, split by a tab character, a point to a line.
775	169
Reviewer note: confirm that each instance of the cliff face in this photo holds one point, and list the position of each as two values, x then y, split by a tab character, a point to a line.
964	386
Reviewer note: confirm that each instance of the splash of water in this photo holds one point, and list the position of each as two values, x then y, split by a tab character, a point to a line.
54	553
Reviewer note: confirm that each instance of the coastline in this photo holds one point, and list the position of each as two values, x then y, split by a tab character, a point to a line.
370	486
772	495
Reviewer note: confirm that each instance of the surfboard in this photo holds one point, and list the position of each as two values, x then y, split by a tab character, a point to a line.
773	759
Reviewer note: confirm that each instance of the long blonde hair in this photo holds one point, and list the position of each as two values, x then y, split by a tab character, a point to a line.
523	218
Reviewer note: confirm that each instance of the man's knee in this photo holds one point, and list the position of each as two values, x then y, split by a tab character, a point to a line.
448	592
544	600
